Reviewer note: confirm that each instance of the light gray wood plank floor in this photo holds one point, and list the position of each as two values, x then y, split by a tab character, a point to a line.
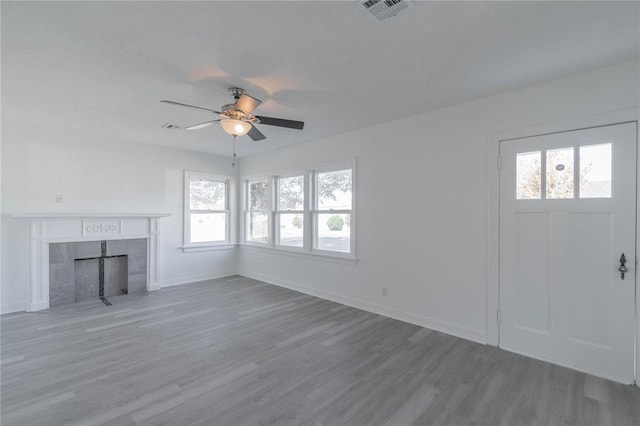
241	352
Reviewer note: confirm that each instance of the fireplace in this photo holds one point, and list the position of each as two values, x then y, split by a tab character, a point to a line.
50	259
96	269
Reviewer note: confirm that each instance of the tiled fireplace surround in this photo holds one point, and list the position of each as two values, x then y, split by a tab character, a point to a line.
74	269
123	231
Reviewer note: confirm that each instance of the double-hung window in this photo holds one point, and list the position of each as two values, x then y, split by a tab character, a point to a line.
290	211
310	211
257	211
333	199
206	210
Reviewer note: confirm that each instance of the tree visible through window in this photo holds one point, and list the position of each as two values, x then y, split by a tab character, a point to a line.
290	211
333	211
257	216
594	175
207	212
311	211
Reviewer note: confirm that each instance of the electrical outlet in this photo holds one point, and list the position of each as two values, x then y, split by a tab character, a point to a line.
384	292
59	198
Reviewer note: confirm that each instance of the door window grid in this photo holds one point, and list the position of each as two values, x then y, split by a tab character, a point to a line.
565	173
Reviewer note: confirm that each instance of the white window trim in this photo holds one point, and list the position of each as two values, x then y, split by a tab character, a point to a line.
189	247
314	210
275	212
245	210
333	257
307	251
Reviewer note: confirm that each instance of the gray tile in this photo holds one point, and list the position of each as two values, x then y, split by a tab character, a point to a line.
115	276
60	274
138	245
62	252
61	284
137	263
86	279
86	249
116	247
137	283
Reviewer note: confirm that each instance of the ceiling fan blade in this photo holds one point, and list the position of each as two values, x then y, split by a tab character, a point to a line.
190	106
281	122
201	125
247	103
255	134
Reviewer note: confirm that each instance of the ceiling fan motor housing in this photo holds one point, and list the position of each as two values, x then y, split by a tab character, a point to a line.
236	92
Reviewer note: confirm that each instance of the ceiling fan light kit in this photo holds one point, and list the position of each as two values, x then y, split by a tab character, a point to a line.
235	127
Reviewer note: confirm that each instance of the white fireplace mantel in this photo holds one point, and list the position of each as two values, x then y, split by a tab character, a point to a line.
65	228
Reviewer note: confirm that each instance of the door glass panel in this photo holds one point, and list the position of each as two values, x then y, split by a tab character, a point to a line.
560	173
595	171
528	175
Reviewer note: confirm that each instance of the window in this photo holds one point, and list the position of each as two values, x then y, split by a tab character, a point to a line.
595	171
589	177
560	173
307	212
528	178
332	214
289	215
257	213
206	209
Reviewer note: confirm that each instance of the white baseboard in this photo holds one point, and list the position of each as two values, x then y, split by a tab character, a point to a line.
477	336
194	278
37	306
13	307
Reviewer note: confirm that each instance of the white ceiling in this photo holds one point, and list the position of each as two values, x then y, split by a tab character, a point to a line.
101	68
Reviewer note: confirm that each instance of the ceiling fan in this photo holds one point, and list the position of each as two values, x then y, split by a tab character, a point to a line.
237	119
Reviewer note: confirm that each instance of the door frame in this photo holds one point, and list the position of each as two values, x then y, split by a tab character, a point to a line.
494	139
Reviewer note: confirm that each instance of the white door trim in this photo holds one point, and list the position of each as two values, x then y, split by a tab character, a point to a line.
493	206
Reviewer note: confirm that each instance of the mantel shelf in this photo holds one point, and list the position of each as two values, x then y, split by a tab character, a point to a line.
88	215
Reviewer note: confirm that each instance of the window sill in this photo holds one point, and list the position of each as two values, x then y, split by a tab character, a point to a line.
342	260
211	247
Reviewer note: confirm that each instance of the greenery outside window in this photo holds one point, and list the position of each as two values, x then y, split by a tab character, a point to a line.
290	211
206	210
257	212
333	201
310	211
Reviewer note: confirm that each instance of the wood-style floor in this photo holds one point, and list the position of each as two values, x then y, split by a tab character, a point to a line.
241	352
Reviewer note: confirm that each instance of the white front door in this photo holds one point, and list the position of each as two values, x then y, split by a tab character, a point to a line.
567	215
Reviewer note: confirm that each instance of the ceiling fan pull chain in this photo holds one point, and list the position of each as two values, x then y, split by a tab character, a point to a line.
233	164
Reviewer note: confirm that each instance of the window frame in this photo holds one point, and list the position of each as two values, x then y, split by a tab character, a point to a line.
188	245
276	212
309	212
247	210
315	210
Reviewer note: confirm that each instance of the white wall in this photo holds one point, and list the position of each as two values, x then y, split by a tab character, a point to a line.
99	176
422	202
